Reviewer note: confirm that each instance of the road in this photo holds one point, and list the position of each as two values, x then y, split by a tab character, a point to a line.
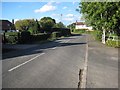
51	65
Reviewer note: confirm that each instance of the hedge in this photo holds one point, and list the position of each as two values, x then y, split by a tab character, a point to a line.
25	37
11	37
113	43
55	35
40	37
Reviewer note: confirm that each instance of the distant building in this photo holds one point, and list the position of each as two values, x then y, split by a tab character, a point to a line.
7	26
81	25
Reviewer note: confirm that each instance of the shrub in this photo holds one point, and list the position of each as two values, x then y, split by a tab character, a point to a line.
97	34
25	37
113	43
80	31
12	37
40	37
55	35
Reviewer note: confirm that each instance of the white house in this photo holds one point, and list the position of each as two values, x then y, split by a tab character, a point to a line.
81	25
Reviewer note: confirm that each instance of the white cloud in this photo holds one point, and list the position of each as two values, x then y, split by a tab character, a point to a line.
64	7
55	14
69	19
73	2
47	7
69	15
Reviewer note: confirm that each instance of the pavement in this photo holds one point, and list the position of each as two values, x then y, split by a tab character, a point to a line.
102	65
50	65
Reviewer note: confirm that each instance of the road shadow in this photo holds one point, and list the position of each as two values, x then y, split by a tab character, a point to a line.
71	44
38	49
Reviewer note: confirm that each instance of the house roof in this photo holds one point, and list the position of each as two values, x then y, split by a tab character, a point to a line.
6	25
80	23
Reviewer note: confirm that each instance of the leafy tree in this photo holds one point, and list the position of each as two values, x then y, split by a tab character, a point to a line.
34	27
104	16
59	25
28	25
47	23
22	24
71	26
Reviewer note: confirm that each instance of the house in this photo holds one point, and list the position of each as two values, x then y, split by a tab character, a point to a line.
7	26
81	25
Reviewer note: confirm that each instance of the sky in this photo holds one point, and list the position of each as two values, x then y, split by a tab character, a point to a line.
60	11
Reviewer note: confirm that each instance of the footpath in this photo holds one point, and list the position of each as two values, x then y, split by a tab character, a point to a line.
102	65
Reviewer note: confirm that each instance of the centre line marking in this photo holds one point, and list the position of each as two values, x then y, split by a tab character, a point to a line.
24	62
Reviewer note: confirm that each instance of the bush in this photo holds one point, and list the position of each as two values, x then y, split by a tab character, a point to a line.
11	37
25	37
97	34
113	43
55	35
80	31
40	37
62	31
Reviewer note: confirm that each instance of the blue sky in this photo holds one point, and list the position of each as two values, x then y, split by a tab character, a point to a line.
37	10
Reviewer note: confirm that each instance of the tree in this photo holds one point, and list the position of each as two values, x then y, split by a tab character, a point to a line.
22	24
34	26
104	16
59	25
28	25
47	23
71	26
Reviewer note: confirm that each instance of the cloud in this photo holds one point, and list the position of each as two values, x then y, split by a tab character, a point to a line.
69	19
47	7
55	14
73	2
69	15
64	7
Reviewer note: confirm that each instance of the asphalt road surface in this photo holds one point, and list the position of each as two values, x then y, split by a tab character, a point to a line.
51	65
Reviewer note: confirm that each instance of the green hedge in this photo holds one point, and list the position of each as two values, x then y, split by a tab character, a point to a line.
79	31
113	43
11	37
25	37
40	37
55	35
97	34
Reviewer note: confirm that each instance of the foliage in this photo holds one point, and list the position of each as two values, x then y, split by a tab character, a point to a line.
102	15
47	23
55	35
28	25
40	37
25	37
79	31
22	24
11	37
97	34
113	43
71	26
59	25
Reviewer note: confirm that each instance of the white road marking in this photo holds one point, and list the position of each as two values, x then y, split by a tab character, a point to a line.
24	62
66	41
54	48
